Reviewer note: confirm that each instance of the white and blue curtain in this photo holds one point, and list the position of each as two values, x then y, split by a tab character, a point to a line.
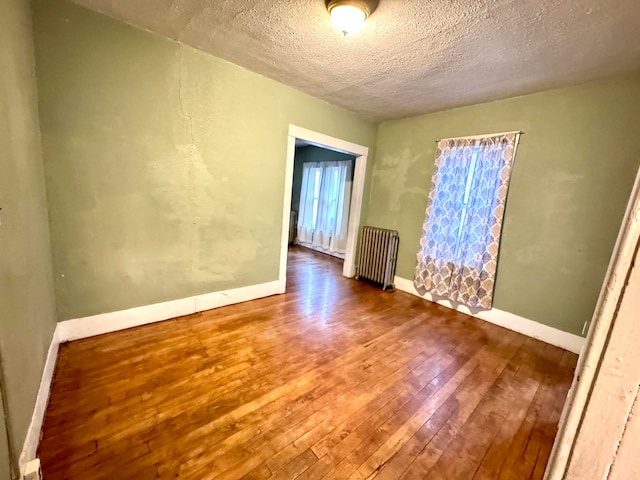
458	254
325	199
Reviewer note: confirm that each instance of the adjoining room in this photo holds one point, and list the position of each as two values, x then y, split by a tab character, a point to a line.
321	199
319	239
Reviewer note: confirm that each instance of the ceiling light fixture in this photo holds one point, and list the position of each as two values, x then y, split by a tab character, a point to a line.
349	15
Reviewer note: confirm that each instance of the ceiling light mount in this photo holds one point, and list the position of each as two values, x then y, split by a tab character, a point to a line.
349	15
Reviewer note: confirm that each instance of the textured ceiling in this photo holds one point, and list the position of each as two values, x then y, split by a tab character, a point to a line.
413	56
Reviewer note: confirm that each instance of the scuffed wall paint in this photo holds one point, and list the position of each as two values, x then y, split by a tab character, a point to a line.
164	165
27	311
603	443
570	184
626	463
411	57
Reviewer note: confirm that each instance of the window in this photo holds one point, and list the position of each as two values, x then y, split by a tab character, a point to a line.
461	233
324	205
316	197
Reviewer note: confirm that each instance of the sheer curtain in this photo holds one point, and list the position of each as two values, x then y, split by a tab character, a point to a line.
325	198
459	246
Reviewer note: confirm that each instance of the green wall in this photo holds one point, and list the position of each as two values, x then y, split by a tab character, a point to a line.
27	313
570	184
165	172
312	154
164	165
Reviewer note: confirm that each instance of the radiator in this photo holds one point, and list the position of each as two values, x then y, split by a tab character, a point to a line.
378	254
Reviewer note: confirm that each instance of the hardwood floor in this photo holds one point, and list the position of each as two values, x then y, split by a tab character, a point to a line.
335	379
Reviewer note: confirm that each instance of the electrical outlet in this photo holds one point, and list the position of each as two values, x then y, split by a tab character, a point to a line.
32	470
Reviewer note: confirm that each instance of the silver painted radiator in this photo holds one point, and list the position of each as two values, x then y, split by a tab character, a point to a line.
378	254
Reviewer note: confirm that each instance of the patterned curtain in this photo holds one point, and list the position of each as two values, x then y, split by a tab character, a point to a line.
459	245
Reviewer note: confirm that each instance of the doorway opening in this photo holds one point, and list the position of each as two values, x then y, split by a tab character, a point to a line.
328	170
320	199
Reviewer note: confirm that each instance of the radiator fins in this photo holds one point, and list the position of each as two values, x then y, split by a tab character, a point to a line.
378	255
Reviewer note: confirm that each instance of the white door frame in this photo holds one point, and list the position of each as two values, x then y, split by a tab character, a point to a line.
361	153
582	417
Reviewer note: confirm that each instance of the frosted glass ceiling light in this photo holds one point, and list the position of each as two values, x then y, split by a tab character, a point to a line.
348	16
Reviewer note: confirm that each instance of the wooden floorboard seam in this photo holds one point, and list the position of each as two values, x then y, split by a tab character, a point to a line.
333	380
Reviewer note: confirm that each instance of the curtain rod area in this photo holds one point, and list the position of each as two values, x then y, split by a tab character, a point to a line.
473	137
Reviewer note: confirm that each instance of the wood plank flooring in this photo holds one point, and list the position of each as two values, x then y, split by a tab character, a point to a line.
335	379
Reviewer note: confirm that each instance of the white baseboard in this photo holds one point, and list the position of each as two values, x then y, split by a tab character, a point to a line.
110	322
545	333
133	317
320	249
30	446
